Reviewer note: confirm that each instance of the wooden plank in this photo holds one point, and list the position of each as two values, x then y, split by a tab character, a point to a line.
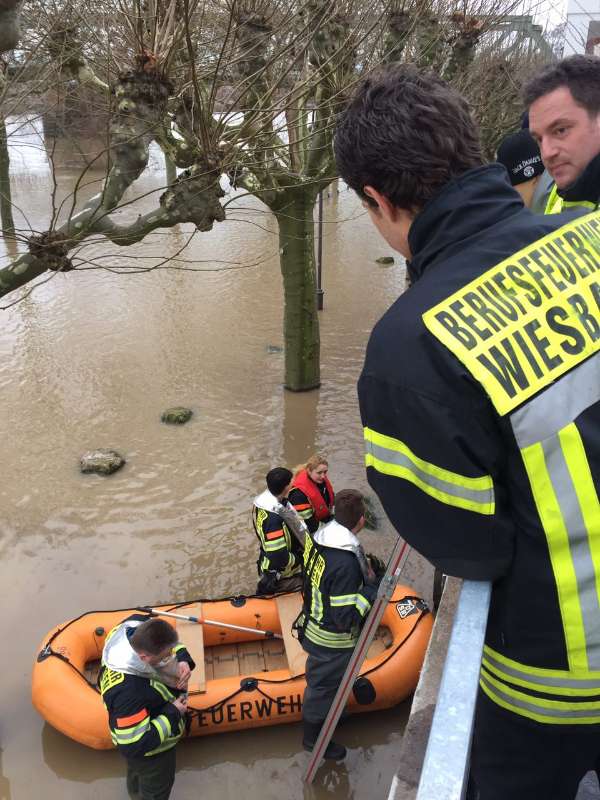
288	607
225	661
274	652
208	664
192	636
251	658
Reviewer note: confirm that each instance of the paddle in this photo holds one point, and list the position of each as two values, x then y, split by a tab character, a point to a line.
215	623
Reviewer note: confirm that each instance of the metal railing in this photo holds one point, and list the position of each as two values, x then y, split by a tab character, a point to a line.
445	769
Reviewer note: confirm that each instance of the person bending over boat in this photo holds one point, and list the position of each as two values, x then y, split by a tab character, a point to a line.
339	589
279	532
312	493
143	679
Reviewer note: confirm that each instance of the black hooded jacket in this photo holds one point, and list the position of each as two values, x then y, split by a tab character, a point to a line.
480	401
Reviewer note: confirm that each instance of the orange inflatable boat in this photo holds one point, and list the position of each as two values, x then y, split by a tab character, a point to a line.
241	680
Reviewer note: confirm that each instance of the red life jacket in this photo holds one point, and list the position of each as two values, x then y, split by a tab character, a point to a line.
320	508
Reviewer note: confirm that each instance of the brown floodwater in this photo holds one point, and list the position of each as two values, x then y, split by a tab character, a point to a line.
90	359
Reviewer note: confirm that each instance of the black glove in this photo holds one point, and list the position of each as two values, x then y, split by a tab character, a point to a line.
377	565
268	582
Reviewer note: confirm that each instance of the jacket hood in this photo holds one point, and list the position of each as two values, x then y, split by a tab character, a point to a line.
337	536
587	186
267	501
119	655
465	208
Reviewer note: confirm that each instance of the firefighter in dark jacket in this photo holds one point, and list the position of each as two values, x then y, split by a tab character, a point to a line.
144	675
281	540
564	118
339	588
480	400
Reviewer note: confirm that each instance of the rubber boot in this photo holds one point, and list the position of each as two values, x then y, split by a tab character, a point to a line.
310	734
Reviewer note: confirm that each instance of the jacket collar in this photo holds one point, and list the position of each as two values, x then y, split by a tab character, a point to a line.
464	208
586	187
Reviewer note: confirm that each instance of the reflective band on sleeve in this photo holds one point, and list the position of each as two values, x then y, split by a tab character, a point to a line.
162	690
357	600
392	457
163	726
126	736
125	722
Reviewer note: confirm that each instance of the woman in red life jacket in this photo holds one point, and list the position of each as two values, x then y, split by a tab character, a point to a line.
312	493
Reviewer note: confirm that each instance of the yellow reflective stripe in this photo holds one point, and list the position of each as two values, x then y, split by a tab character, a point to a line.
585	489
557	537
393	457
557	712
276	544
357	600
328	638
557	682
316	607
169	742
163	726
578	204
130	735
554	202
162	690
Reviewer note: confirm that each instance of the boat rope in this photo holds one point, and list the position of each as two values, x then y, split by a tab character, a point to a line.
247	684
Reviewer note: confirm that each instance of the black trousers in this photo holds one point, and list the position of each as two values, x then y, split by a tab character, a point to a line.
514	758
151	778
324	670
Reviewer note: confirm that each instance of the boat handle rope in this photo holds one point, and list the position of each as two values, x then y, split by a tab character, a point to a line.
47	651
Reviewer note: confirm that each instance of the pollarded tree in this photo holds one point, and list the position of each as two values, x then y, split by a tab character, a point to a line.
250	88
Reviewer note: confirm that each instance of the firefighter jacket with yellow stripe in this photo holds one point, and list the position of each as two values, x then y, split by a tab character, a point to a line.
280	550
336	597
583	194
480	400
142	718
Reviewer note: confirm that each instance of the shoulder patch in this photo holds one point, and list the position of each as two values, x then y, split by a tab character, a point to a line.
529	319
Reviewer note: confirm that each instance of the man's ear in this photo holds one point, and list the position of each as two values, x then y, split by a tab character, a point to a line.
385	206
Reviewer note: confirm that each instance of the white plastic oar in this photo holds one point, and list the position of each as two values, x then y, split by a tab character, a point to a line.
215	623
384	595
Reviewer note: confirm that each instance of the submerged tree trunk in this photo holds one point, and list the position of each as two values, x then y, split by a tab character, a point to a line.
301	321
6	216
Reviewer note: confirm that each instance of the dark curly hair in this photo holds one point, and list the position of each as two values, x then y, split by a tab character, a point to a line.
579	74
407	133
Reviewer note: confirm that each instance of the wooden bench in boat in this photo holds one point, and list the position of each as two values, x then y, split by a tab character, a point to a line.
262	655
